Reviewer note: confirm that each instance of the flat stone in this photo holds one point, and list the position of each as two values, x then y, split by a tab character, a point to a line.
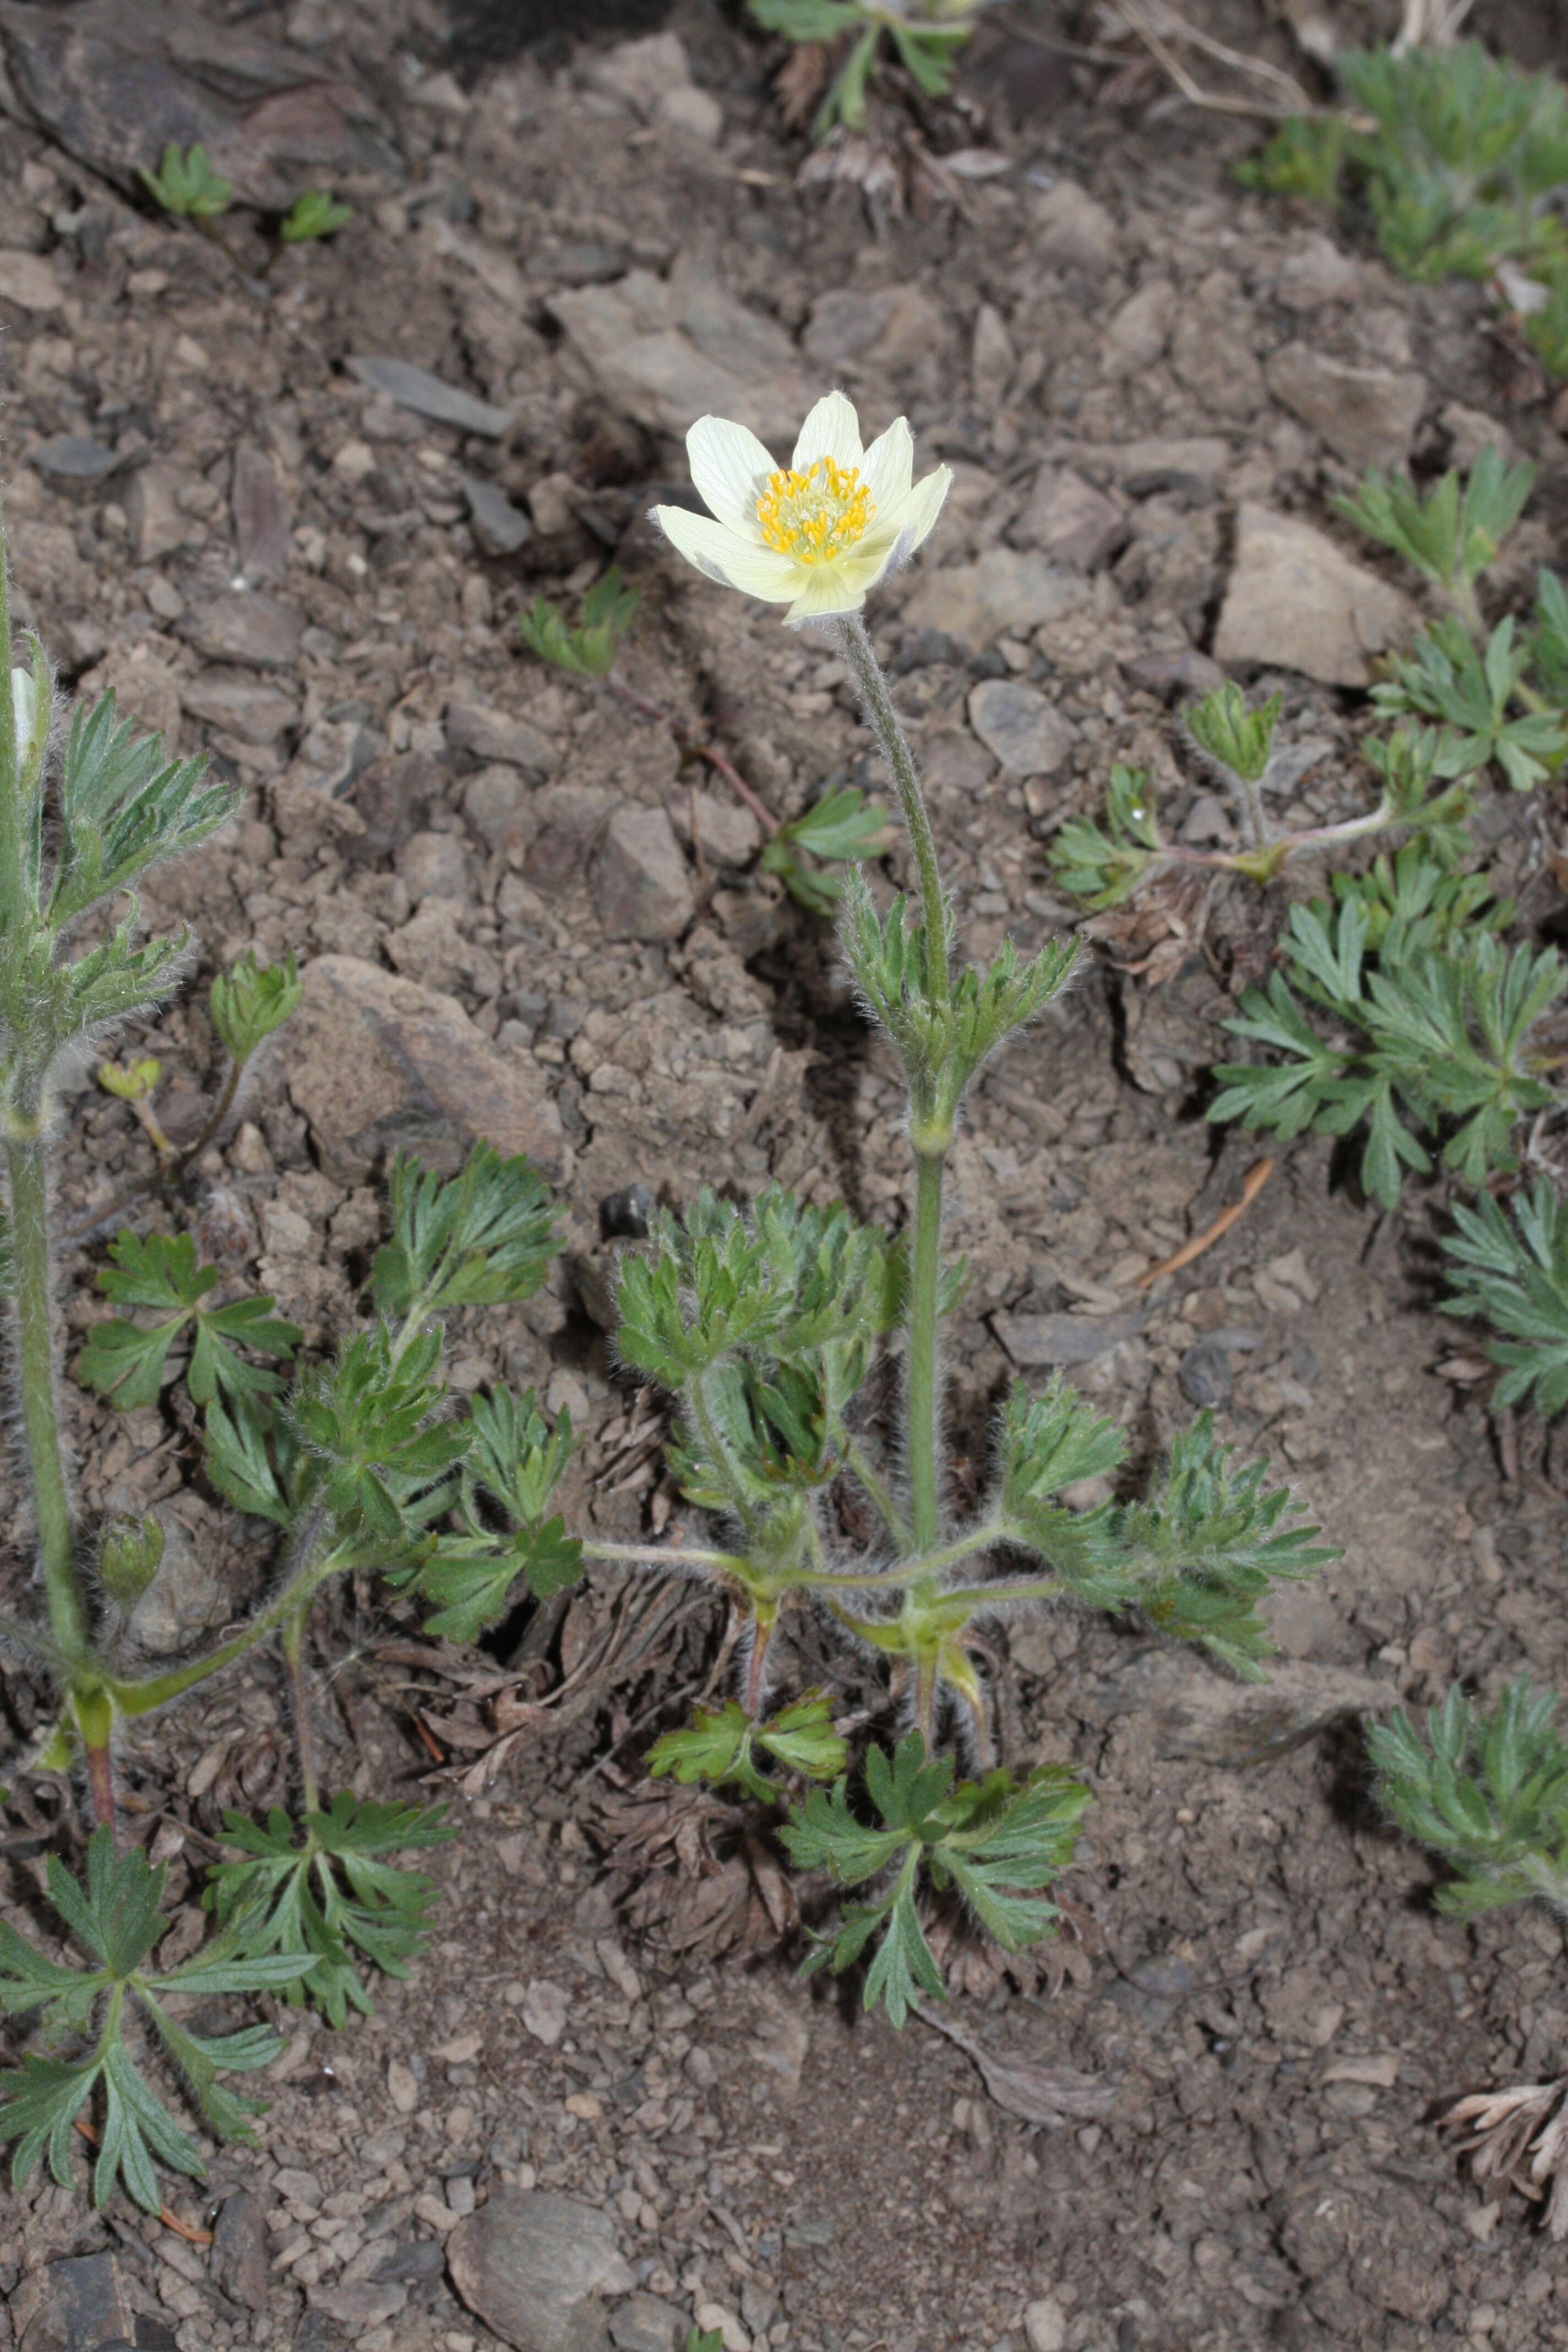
1204	1376
645	2323
241	705
664	353
498	527
490	735
74	458
241	2260
1366	414
1020	728
145	688
1295	601
427	396
26	280
653	78
1180	670
1070	520
377	1063
727	833
1201	456
359	2303
544	2011
534	2267
240	626
499	805
1070	227
262	514
184	1600
992	358
1003	589
642	883
433	865
1315	273
1065	1338
75	2306
890	328
158	523
1139	330
1044	2326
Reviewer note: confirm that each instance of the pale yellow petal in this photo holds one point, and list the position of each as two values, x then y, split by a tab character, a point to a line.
916	517
889	465
824	589
831	430
729	467
724	555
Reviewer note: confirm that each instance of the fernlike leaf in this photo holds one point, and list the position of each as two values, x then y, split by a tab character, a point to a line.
1512	1272
482	1238
114	1914
1488	1791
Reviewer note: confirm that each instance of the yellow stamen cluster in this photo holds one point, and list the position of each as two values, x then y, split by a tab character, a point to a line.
817	515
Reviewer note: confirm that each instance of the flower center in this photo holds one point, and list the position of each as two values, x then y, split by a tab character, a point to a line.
816	515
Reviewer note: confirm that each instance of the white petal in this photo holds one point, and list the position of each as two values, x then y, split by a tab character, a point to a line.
887	467
826	588
916	516
729	466
832	430
724	555
24	708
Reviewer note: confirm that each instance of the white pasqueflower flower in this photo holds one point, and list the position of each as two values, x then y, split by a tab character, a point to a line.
817	535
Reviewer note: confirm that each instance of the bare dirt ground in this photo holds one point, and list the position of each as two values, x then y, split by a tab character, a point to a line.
603	2010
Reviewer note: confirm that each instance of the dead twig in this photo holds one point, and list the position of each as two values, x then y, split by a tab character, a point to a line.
1158	26
1252	1183
1051	2095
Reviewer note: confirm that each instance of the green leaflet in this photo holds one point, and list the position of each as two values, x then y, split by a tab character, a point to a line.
126	1361
997	1842
1512	1271
114	1916
323	1893
1486	1791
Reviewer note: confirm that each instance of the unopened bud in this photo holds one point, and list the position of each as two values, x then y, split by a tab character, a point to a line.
128	1558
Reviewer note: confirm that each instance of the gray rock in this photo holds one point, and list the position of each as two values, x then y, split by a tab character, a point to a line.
663	354
533	2266
1180	671
488	734
1204	1376
75	2305
727	833
499	805
359	2303
1294	600
890	328
652	78
644	2322
377	1063
1003	590
498	527
1020	728
240	626
1069	226
1140	330
434	866
158	523
240	2261
642	883
74	458
262	515
183	1601
1070	520
1366	414
240	705
1065	1338
1202	457
427	396
1211	348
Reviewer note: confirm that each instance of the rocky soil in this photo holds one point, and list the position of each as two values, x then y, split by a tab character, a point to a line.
602	2108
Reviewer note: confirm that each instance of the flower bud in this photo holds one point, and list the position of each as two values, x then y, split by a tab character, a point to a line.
128	1558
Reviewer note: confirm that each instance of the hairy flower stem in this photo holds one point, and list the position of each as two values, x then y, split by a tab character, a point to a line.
293	1631
930	1144
922	1402
883	720
26	1158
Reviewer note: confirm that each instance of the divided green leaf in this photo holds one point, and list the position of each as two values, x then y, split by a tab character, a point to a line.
127	1362
1486	1790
